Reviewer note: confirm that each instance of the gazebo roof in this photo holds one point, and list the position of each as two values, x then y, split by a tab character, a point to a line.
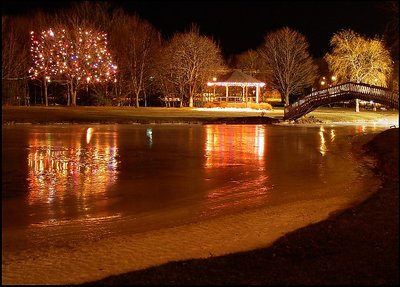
236	78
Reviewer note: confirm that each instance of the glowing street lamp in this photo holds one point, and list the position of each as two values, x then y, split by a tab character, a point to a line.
323	82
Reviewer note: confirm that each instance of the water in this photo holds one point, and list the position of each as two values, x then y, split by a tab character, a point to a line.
68	184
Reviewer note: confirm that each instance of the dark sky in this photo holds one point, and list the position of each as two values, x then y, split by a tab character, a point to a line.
241	25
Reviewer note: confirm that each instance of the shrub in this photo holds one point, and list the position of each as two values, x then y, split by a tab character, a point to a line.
260	106
237	105
223	104
209	105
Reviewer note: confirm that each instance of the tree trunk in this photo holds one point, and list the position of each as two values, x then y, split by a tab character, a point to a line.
73	93
46	101
68	96
27	98
192	91
286	100
137	100
73	96
191	101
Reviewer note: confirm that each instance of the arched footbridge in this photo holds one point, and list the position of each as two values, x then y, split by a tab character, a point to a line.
340	93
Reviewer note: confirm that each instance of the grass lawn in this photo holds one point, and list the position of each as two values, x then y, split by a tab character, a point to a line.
36	114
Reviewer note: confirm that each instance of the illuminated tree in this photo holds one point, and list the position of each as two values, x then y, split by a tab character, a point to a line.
358	59
78	57
355	58
285	54
96	16
188	62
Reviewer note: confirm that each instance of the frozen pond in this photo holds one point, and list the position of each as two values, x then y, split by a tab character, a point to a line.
64	185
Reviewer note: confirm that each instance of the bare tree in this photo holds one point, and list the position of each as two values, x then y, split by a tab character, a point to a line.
16	49
189	59
358	59
285	54
391	36
15	57
135	42
86	14
250	62
12	48
391	9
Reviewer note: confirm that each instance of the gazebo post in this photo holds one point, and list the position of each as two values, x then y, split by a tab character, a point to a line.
257	91
226	93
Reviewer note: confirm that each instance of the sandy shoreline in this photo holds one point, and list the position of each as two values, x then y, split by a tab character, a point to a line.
118	255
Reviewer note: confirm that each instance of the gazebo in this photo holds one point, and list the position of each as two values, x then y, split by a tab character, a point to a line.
237	79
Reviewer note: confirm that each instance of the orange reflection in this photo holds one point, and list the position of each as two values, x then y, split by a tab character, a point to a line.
63	164
237	154
322	147
89	134
332	135
361	129
232	145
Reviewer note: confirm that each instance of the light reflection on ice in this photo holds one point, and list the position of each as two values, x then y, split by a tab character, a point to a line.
322	146
91	220
236	147
78	172
89	134
233	145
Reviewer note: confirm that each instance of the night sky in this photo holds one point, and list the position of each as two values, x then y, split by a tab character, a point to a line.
241	25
